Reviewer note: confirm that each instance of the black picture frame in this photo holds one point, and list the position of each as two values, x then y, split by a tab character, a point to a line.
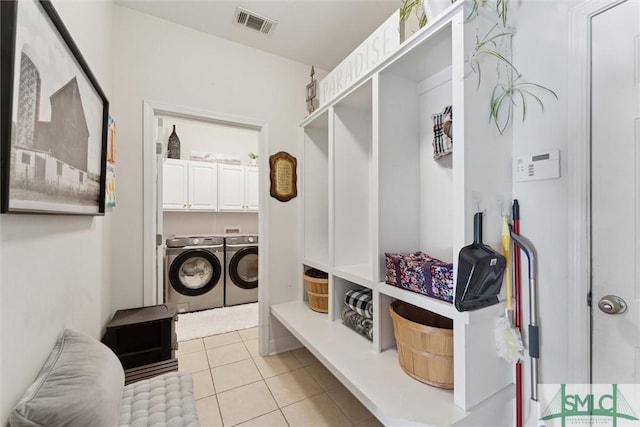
52	151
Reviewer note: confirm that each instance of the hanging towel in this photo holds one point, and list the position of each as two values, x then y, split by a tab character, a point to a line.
360	301
443	133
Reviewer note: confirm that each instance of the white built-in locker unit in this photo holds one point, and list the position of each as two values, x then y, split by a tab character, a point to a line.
369	185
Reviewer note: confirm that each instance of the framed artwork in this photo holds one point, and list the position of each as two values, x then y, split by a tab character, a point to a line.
53	117
283	176
110	186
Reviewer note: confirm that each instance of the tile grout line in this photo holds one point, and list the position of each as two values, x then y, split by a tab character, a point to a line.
267	413
212	383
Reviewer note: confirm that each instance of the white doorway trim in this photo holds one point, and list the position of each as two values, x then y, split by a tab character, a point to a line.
579	148
152	285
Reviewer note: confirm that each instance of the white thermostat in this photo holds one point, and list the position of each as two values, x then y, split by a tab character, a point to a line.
537	166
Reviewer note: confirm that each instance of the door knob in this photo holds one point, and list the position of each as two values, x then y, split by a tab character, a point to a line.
612	304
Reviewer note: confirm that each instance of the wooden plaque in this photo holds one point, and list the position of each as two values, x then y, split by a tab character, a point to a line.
283	176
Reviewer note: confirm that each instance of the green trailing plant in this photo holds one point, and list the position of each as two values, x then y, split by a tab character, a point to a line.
511	90
504	99
488	45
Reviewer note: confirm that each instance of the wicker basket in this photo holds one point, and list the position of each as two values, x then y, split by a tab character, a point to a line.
425	344
317	292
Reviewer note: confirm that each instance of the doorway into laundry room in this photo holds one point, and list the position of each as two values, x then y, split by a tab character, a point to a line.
207	191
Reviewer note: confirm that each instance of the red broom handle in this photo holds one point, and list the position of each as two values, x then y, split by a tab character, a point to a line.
518	311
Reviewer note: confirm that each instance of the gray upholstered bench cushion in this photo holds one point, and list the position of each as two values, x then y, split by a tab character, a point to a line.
166	400
80	385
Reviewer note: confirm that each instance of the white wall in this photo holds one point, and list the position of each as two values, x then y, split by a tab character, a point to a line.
194	223
55	269
168	63
541	54
205	136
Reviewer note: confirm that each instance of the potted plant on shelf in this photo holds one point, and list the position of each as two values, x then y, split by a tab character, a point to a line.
412	18
414	14
433	8
253	159
511	90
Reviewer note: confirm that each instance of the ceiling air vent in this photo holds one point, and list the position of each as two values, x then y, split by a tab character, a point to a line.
254	21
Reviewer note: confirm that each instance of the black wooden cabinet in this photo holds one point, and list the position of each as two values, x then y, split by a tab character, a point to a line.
140	336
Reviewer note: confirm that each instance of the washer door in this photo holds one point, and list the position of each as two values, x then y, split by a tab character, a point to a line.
243	268
194	272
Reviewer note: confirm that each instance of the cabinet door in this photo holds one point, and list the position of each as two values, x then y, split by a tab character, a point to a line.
251	195
230	188
203	186
174	184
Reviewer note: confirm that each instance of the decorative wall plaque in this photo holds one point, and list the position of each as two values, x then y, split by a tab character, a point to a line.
283	176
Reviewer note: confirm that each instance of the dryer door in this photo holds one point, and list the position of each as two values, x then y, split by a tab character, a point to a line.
195	272
243	268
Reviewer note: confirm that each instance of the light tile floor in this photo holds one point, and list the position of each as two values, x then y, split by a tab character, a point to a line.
235	386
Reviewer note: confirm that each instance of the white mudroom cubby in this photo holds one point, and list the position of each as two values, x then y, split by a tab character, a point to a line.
371	186
315	181
353	183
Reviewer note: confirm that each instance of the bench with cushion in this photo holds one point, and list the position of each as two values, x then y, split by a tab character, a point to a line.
82	384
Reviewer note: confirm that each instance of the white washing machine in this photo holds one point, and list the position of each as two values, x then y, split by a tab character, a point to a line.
194	267
241	277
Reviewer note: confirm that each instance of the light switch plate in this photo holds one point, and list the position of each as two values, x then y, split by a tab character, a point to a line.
539	166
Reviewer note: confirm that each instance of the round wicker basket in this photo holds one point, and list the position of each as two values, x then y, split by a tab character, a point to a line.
425	344
317	291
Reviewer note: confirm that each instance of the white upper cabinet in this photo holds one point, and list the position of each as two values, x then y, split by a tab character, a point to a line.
251	182
203	186
238	188
189	185
231	188
174	184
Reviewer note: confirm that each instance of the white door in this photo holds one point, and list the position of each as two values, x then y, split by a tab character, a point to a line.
615	193
231	188
251	183
203	186
174	184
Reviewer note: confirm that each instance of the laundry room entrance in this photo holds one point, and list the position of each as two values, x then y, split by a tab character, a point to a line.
207	215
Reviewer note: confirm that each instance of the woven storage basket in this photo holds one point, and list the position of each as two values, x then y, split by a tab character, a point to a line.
425	344
317	292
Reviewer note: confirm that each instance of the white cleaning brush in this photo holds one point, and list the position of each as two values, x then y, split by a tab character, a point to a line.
508	340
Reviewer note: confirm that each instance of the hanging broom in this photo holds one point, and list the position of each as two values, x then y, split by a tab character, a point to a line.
508	340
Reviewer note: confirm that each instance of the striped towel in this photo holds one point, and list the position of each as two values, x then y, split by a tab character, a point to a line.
360	301
358	323
442	133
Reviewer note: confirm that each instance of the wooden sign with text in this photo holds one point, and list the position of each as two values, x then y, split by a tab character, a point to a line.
371	52
283	176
